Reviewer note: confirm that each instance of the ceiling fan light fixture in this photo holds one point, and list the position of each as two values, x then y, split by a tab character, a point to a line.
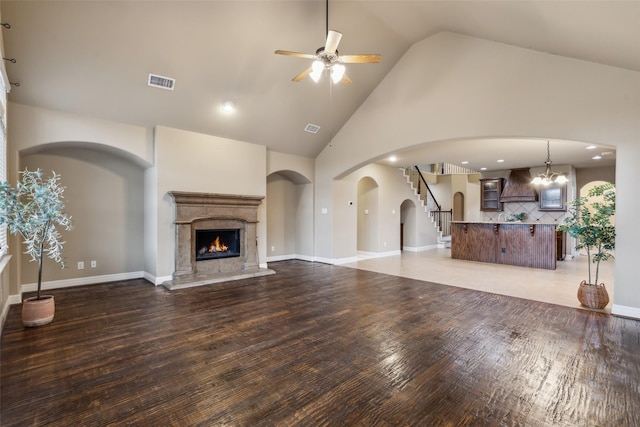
337	72
317	67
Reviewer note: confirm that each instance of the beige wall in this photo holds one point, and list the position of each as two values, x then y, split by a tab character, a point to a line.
350	221
289	207
104	195
106	152
189	161
282	219
459	78
472	88
584	176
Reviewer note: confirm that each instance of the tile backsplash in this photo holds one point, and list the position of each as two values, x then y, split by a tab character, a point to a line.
531	211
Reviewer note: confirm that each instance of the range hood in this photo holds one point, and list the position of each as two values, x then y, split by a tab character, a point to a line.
518	187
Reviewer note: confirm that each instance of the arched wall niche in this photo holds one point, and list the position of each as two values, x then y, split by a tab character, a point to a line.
289	205
104	194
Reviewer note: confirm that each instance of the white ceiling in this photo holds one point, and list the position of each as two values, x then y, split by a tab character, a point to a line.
93	58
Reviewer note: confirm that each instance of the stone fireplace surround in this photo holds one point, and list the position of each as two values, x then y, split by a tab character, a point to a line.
203	211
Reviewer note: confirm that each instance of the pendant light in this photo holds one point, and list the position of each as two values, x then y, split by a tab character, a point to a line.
549	177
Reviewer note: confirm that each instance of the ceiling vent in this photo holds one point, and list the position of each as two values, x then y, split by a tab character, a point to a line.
161	82
312	128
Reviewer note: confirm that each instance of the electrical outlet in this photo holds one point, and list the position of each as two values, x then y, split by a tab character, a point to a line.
80	265
94	263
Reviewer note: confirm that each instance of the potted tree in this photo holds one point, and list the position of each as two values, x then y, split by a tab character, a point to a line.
589	222
34	210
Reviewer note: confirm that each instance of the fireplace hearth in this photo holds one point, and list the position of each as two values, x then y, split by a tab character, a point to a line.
216	239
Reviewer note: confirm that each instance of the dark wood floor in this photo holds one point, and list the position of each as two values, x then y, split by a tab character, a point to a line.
317	345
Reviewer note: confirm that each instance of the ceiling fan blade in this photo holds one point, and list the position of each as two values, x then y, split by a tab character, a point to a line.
298	54
359	59
333	38
345	80
302	75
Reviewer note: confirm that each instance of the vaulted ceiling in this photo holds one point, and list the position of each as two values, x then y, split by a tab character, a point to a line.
94	57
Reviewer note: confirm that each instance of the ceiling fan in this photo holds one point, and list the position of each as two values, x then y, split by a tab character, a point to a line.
328	59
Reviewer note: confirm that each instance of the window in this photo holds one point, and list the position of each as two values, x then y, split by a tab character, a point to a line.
4	85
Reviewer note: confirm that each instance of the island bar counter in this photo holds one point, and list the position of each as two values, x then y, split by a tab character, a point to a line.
522	244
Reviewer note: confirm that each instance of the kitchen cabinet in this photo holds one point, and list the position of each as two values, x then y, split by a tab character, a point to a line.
552	197
490	189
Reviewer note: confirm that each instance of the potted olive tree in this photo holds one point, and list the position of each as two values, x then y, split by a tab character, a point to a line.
34	209
589	222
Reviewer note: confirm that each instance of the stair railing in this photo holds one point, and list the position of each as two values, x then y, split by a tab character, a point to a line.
441	217
424	182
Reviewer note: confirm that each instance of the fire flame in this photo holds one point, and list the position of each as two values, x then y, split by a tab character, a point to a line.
216	246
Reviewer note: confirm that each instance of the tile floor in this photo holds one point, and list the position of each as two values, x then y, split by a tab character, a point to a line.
435	265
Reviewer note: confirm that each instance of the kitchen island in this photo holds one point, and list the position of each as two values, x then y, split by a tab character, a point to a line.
513	243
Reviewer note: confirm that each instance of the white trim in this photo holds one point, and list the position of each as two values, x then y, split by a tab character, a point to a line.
624	311
419	248
4	261
364	254
342	260
288	257
56	284
12	300
156	280
280	258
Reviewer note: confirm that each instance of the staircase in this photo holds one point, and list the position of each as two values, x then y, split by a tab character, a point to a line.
441	219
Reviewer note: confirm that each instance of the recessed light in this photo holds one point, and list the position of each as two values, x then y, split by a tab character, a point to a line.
483	169
596	157
228	106
591	147
464	162
392	158
606	153
500	161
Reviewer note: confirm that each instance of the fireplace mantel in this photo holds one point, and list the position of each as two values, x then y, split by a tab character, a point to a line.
200	211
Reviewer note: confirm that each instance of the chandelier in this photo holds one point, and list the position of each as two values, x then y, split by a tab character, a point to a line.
548	177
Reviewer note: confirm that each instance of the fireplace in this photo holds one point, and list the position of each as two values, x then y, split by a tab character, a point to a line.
213	244
216	239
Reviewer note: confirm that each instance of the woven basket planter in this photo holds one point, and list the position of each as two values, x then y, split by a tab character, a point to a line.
593	296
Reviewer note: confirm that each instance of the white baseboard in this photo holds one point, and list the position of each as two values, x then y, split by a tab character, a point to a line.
364	254
156	280
624	311
287	258
340	261
280	258
12	300
419	248
57	284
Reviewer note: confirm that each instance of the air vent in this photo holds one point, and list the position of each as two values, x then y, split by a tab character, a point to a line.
312	128
161	82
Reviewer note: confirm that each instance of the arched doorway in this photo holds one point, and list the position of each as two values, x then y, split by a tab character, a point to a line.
408	227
